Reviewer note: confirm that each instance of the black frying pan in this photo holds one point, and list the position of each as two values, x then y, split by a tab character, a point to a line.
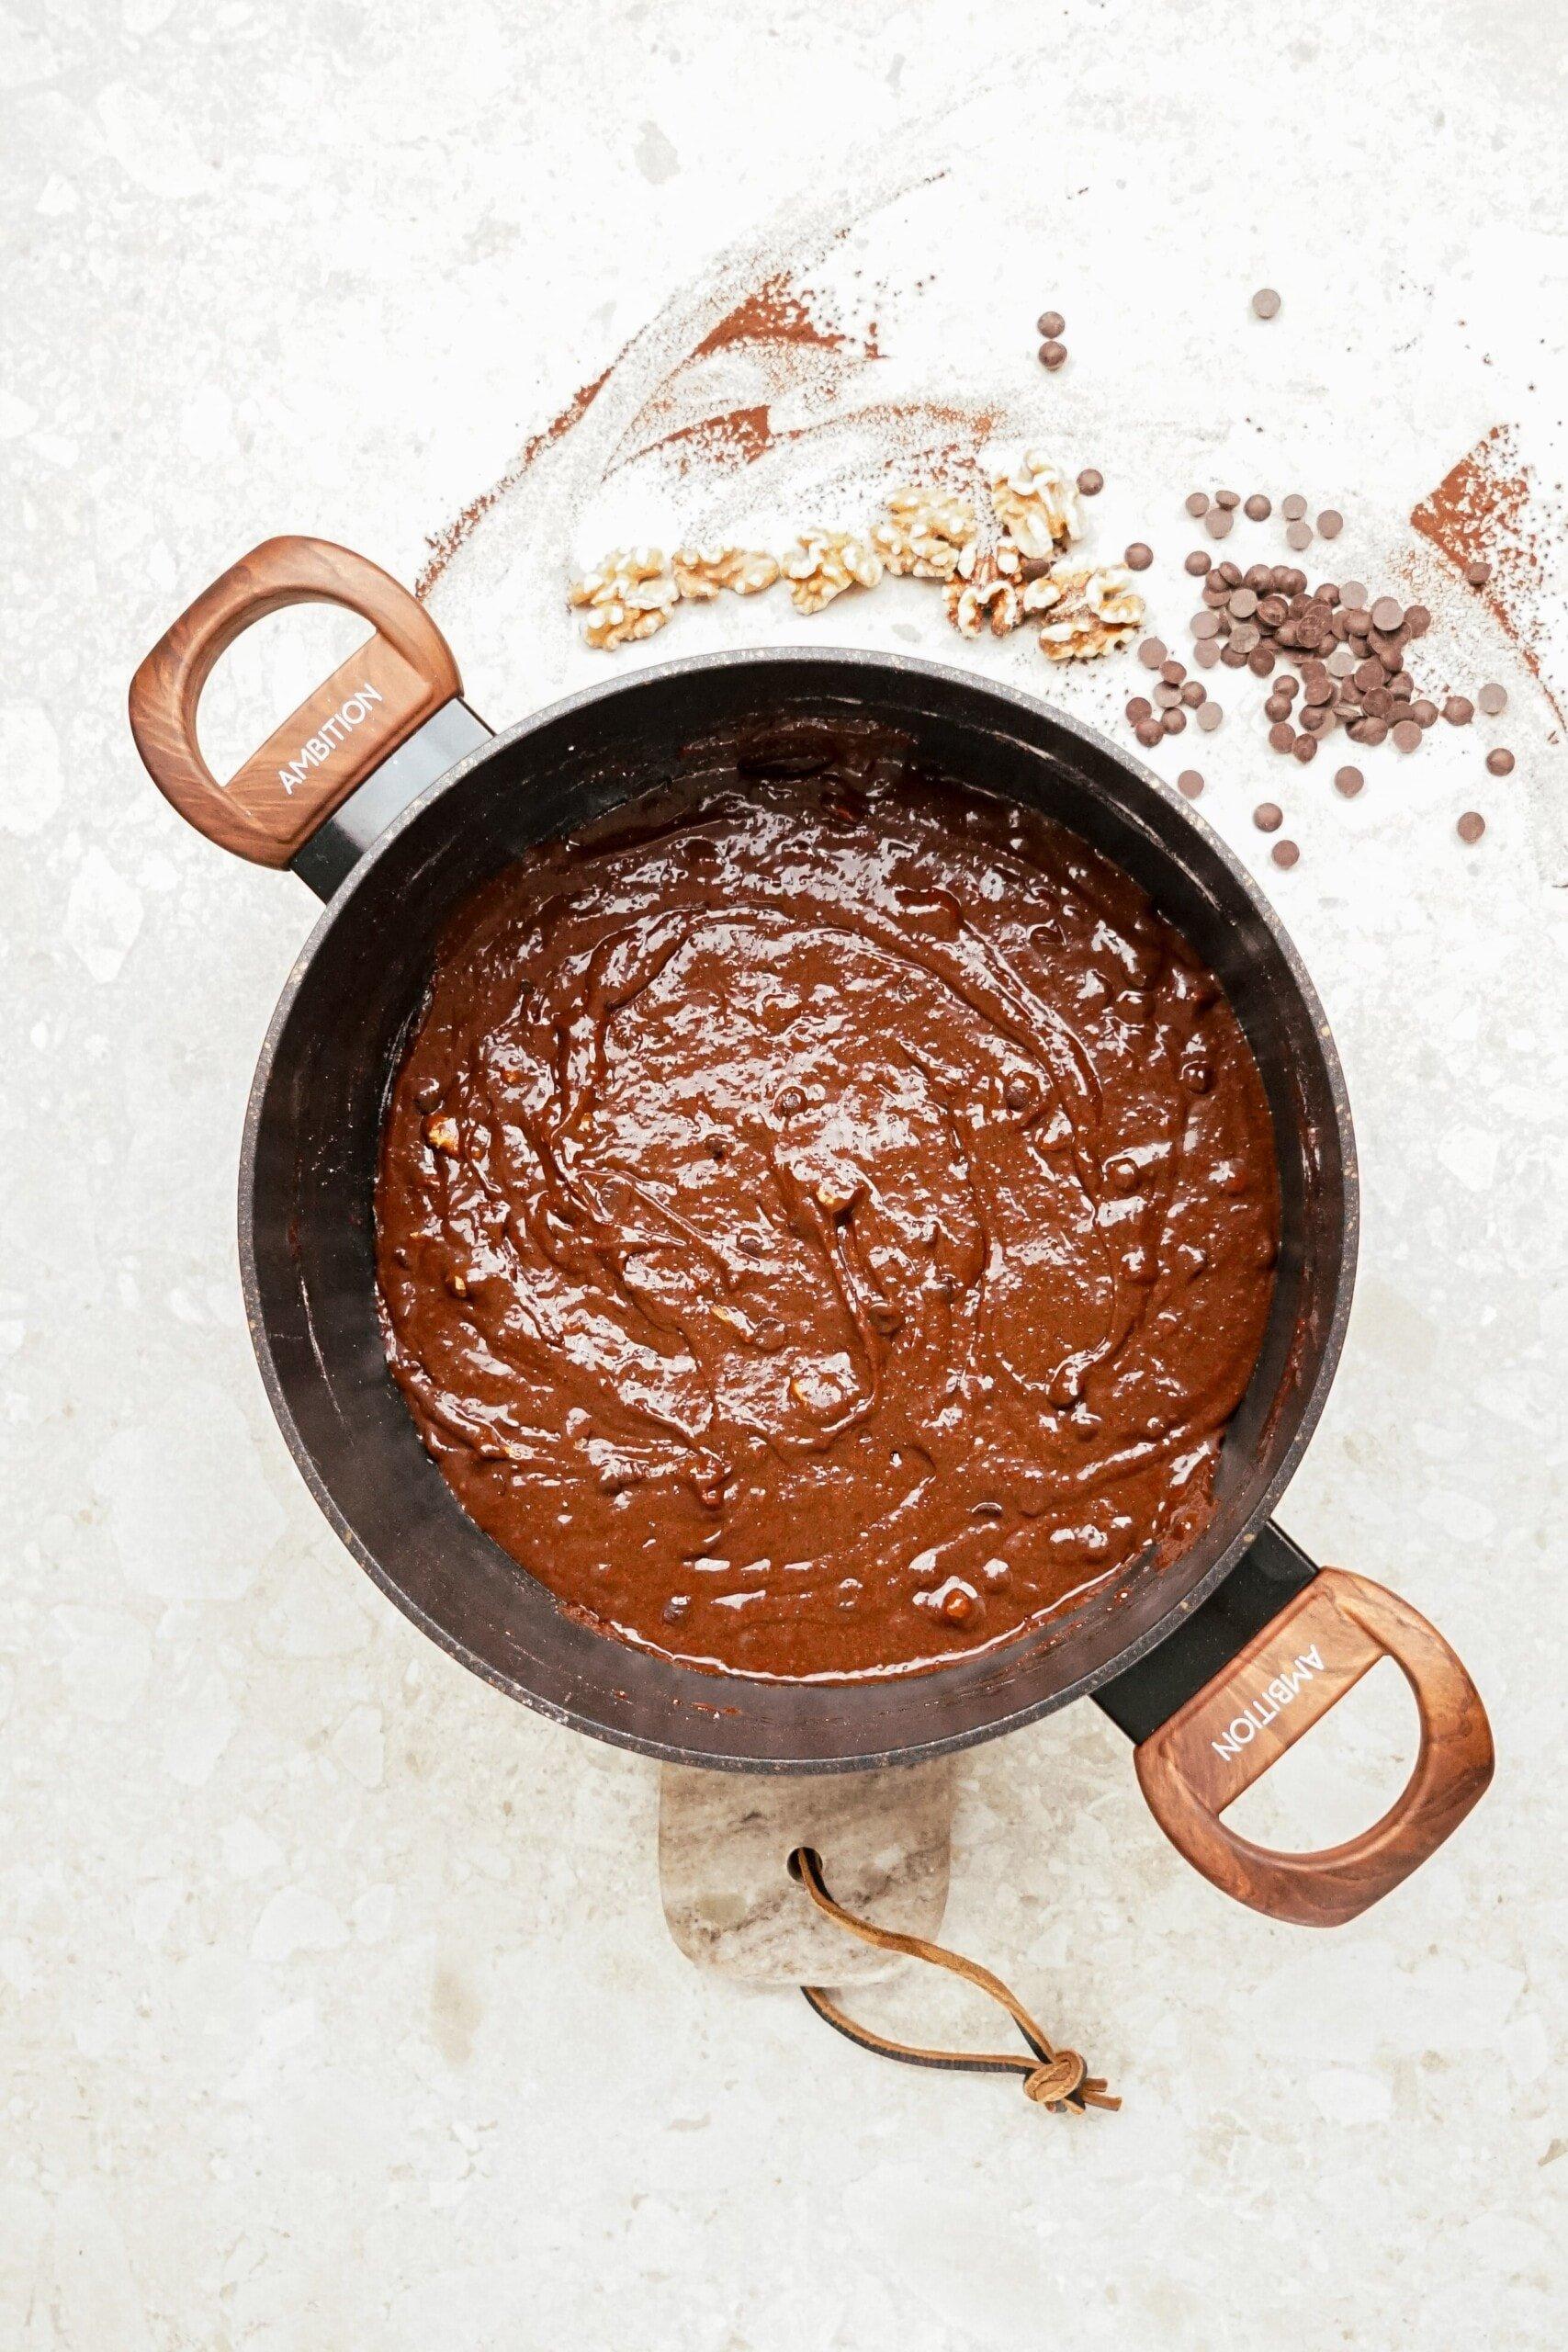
393	802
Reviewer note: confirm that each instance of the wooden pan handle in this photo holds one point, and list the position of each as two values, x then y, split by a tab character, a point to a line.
1274	1689
309	768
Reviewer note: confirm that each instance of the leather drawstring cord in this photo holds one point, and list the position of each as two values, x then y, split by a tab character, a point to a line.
1057	2079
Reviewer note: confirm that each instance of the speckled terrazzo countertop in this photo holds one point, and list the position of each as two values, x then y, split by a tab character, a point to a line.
336	2003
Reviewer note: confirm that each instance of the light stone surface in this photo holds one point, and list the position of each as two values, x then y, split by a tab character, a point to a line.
336	2007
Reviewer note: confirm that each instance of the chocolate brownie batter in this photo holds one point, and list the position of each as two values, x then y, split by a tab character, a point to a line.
823	1227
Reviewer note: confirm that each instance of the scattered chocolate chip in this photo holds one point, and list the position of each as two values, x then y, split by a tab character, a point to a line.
1050	324
1260	661
1166	696
1387	615
1198	563
1406	736
1500	762
1459	710
1471	826
1349	781
1417	620
1352	592
1206	655
1267	816
1491	700
1190	782
1149	733
1293	507
1330	522
1052	354
1229	499
1304	748
1231	573
1479	572
1153	651
1265	302
1243	603
1138	557
1217	522
1197	504
1298	535
1278	705
1091	482
1284	853
1424	713
1173	672
1209	717
1138	706
1205	624
1194	694
1258	508
1175	721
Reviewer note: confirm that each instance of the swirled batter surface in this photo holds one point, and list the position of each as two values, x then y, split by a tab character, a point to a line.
822	1229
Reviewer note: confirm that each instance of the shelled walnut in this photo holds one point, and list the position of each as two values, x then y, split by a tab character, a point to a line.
1091	612
989	600
822	564
702	573
927	533
629	594
1036	506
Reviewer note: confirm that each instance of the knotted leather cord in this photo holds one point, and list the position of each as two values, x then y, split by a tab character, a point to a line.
1057	2079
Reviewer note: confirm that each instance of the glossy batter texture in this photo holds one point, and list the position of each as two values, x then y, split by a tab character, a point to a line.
824	1226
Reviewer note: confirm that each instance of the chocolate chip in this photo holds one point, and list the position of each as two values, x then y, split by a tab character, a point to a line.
1149	733
1304	748
1371	730
1265	302
1152	652
1138	557
1198	563
1052	354
1367	674
792	1101
1349	781
1417	620
1471	826
1233	657
1190	782
1138	707
1352	592
1406	736
1231	573
1217	522
1091	482
1459	710
1278	705
1209	717
1317	718
1424	713
1330	522
1206	655
1298	535
1174	720
1243	636
1387	615
1267	816
1293	507
1194	694
1166	696
1260	661
1479	572
1205	624
1281	736
1050	324
1229	499
1258	508
1284	853
1491	700
1197	504
1243	603
1500	762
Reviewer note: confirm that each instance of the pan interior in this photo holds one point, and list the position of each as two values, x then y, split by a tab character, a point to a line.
307	1238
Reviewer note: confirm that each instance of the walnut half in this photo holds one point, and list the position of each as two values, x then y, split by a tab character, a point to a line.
629	594
927	533
1091	612
822	564
1037	505
701	573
